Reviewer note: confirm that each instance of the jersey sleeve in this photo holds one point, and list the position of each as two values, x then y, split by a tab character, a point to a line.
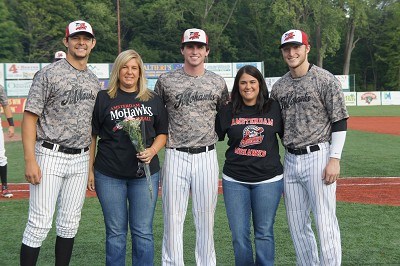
334	101
96	123
158	89
222	121
38	93
224	97
161	120
3	97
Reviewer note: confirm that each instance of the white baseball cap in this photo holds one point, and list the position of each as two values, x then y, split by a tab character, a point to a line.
195	35
60	55
78	27
294	36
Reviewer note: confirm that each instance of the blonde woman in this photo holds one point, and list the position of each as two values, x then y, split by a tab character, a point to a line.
116	174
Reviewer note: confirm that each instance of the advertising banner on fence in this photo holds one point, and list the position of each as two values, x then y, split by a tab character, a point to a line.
153	70
258	65
222	69
344	81
390	97
17	105
18	87
21	70
102	71
270	82
350	98
368	98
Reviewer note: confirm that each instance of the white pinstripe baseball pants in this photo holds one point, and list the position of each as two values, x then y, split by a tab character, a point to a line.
183	173
305	191
64	180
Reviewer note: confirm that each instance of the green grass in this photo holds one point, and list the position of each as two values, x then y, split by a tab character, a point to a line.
369	235
379	110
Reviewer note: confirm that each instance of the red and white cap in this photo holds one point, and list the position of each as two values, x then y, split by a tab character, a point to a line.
294	36
195	35
60	55
78	26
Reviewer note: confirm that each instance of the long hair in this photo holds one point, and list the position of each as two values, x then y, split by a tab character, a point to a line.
122	59
263	102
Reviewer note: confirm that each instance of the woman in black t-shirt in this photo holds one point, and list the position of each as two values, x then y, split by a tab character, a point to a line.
117	174
252	173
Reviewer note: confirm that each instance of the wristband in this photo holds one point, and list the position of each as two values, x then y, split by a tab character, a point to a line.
10	121
154	150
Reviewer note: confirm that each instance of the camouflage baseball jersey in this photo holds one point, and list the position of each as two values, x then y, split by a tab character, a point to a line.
192	104
310	104
63	98
3	97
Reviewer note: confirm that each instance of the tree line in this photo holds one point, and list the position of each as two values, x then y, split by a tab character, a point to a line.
359	37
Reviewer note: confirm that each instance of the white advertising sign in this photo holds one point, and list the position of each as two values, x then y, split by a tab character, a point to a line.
237	66
222	69
229	83
18	87
270	82
344	80
21	70
368	98
100	70
350	98
390	97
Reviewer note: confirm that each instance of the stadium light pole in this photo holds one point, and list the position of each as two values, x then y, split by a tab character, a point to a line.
118	28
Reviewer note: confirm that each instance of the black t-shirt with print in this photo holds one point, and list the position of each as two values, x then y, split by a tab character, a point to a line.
116	155
253	152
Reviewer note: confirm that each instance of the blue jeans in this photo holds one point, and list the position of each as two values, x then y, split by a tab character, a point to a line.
261	201
123	201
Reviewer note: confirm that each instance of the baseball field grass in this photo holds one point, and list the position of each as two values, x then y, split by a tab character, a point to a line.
370	233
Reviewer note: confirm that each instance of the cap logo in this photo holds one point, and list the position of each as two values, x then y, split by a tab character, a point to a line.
60	54
194	35
289	36
80	26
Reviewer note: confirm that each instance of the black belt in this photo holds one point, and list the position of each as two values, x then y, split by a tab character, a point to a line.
63	149
197	149
304	150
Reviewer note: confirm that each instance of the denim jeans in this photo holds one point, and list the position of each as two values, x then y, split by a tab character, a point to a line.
126	201
261	202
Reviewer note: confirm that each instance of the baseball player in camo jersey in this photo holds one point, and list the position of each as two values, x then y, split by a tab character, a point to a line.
3	159
56	134
315	124
192	96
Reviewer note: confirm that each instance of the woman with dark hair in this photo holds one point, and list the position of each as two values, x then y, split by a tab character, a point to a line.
252	173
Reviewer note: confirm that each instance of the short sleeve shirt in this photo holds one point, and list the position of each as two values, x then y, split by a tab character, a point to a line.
253	149
3	97
310	104
63	97
116	155
192	104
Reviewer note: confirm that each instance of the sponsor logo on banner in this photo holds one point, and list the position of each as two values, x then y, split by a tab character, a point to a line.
21	70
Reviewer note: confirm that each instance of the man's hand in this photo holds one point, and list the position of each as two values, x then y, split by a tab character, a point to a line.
332	171
32	172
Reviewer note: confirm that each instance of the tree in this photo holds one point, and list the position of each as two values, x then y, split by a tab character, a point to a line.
43	24
387	45
355	18
102	16
11	48
316	17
